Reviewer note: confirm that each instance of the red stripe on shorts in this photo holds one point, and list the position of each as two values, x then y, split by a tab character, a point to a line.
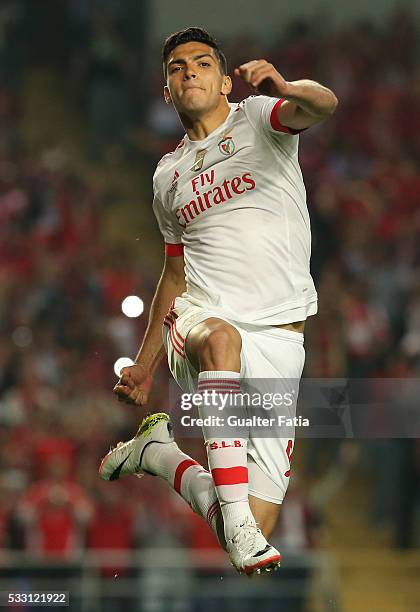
175	341
174	346
178	334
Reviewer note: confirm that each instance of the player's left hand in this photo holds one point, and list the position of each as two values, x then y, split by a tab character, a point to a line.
262	75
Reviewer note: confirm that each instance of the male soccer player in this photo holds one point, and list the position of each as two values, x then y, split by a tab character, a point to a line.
231	205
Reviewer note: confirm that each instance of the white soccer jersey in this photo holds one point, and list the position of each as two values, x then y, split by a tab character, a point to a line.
235	205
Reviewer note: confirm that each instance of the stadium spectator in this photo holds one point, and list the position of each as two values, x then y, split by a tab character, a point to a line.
55	512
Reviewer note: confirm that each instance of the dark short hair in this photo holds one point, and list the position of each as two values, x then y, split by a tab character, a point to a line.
192	35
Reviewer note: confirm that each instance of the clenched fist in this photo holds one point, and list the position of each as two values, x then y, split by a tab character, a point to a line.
264	77
134	385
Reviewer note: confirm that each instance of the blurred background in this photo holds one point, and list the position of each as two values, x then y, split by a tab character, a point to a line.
82	126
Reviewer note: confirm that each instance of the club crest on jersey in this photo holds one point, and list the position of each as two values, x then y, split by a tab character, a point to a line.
227	145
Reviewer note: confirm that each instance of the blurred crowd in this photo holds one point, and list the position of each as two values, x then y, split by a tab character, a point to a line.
61	287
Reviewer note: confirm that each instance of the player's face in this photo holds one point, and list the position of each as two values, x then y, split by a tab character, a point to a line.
195	83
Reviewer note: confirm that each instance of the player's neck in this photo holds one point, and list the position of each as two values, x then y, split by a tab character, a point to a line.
198	128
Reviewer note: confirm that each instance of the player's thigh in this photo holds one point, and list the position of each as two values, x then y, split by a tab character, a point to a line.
182	316
215	336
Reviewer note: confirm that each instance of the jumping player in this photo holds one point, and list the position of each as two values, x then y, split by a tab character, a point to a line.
231	205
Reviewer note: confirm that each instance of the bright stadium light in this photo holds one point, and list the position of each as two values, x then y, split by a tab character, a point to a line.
121	363
132	306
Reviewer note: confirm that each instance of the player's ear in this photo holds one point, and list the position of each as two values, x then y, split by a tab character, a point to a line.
226	85
167	95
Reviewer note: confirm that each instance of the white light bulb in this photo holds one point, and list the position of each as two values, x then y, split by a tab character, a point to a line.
132	306
122	362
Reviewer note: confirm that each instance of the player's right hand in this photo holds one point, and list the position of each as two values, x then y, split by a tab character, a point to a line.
134	385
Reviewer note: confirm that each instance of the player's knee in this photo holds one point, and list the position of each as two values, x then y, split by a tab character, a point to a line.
220	348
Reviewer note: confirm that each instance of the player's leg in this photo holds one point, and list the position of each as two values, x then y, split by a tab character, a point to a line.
266	514
154	451
214	348
269	474
189	479
265	497
275	358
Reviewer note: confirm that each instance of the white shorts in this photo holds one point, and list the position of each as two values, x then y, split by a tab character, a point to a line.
267	353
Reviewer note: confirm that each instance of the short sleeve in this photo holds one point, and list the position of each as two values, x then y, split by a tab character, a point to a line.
261	112
169	228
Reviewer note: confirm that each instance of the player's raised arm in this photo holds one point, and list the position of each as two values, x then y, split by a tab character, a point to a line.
136	381
305	103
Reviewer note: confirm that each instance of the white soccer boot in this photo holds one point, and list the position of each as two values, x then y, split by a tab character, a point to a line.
250	552
126	458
